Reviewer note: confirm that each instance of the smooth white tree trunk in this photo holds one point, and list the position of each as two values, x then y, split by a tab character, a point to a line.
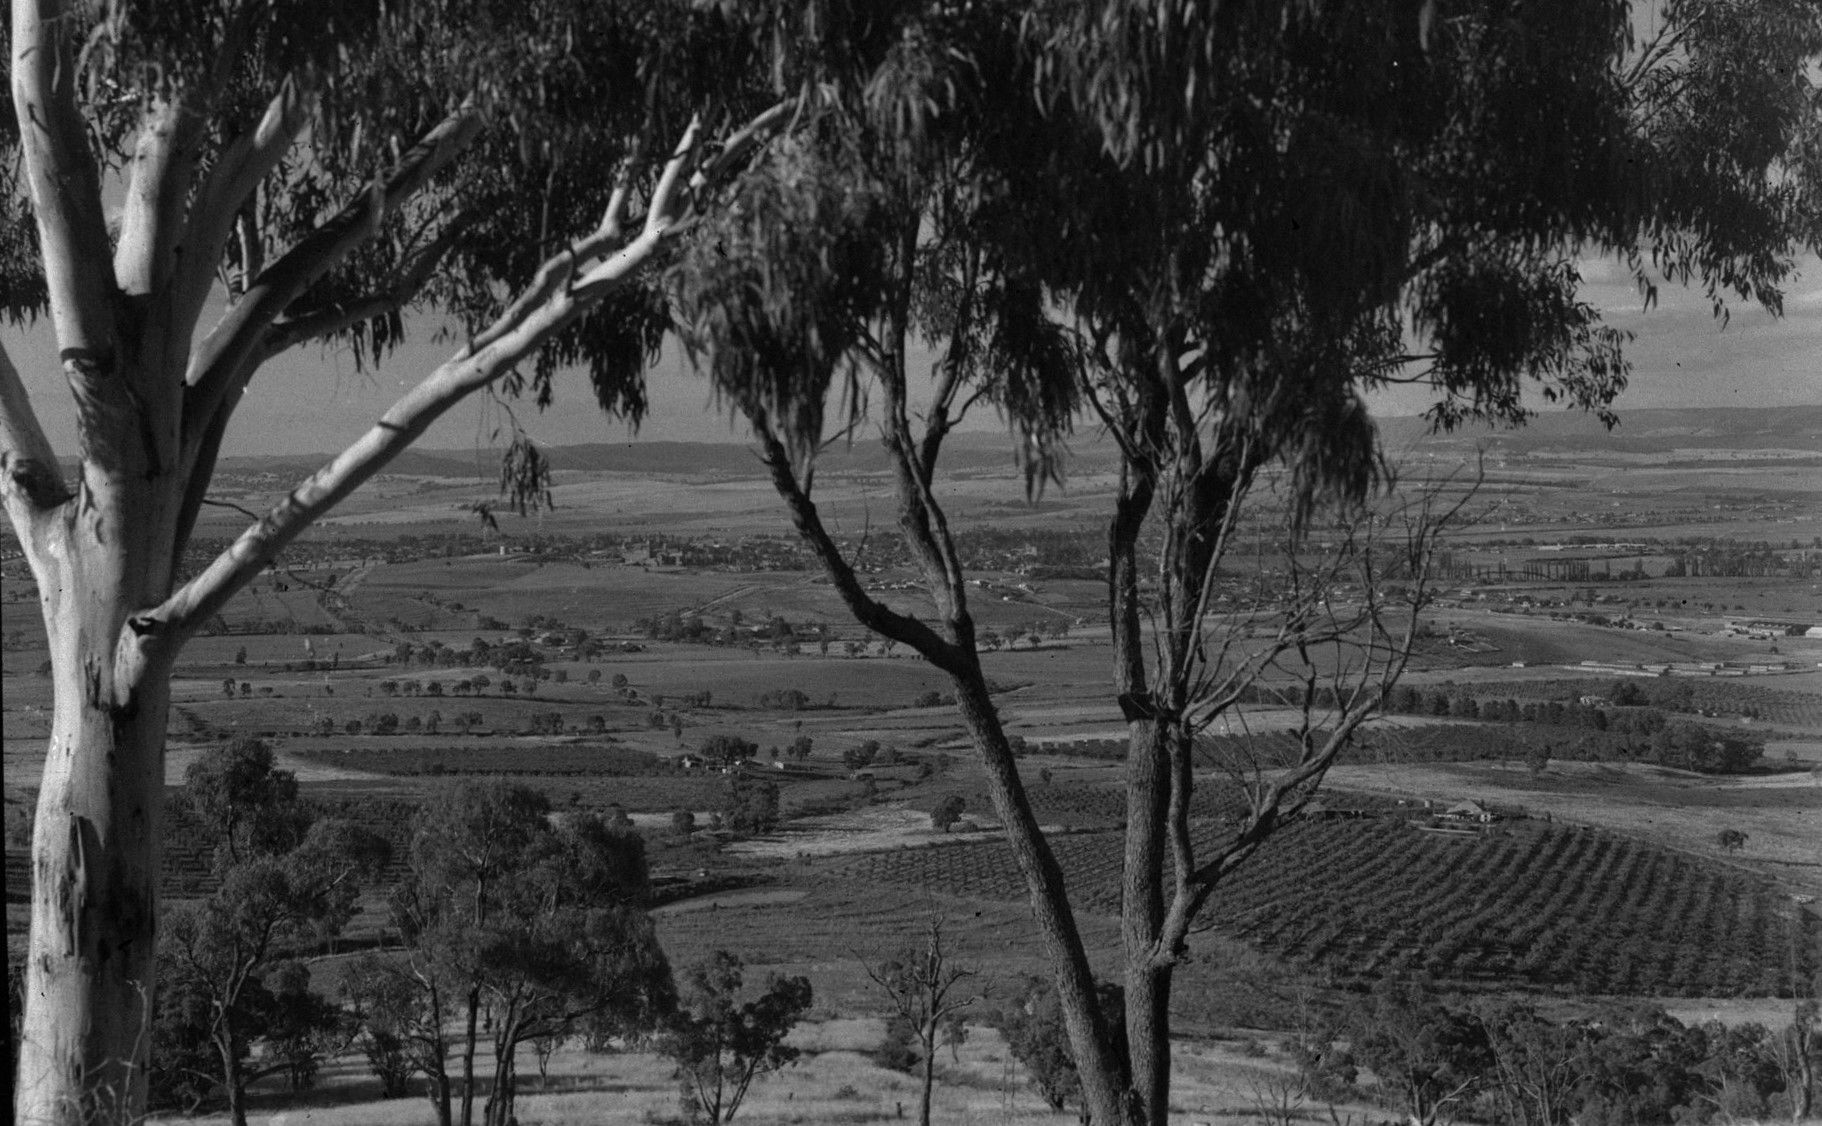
86	1034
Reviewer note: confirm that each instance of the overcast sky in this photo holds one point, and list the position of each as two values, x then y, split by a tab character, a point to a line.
312	401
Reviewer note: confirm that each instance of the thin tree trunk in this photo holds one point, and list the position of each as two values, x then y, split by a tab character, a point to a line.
439	1096
1147	1001
232	1078
438	1072
1103	1076
474	1021
923	1103
509	1084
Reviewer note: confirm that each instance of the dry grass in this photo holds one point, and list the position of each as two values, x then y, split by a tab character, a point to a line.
835	1083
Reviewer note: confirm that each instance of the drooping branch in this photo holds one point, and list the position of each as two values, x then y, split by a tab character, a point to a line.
317	324
65	187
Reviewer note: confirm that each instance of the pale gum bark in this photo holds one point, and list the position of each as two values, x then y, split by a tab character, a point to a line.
85	1037
109	552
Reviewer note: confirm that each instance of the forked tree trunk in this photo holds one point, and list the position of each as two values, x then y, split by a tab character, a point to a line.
85	1039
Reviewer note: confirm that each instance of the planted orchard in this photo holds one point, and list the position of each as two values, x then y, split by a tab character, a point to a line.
1544	906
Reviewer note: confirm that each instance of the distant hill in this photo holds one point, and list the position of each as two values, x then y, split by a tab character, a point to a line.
967	452
1639	431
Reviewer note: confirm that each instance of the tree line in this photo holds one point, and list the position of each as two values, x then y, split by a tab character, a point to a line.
1436	1058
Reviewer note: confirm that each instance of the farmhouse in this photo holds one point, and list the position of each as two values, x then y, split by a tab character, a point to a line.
1471	811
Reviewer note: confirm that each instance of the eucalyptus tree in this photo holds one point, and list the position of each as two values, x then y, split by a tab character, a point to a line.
285	876
1217	226
807	294
289	174
1332	200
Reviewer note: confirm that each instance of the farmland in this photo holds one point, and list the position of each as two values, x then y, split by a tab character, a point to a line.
401	650
1564	908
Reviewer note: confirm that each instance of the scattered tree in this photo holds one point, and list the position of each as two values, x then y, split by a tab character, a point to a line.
284	877
1433	1056
727	750
539	924
721	1043
1038	1037
752	804
947	812
921	983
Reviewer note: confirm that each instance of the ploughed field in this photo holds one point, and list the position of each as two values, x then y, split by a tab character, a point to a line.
1545	906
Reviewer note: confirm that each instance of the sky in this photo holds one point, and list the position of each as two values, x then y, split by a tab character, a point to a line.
313	401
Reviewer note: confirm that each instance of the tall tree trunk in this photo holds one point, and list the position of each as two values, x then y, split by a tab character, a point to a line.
508	1087
95	848
234	1081
439	1097
1103	1075
438	1070
474	1021
1147	985
928	1032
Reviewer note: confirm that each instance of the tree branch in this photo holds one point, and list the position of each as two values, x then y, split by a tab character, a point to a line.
868	611
290	331
230	184
468	371
65	189
151	214
226	358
